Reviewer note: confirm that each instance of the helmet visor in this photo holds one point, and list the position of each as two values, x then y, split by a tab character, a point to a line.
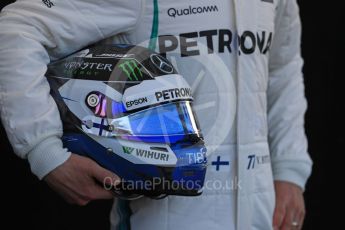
154	124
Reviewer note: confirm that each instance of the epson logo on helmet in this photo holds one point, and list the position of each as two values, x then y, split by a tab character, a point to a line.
172	94
138	101
173	12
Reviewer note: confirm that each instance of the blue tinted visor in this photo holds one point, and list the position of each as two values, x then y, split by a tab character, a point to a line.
172	120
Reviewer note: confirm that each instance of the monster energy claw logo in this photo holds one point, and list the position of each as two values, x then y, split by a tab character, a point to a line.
131	69
127	150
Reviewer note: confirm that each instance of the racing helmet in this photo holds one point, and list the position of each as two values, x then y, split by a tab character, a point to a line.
127	108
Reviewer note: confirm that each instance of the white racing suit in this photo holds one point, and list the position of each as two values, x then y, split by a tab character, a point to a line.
242	58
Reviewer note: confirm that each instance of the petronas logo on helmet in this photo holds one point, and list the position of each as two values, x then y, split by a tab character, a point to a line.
131	69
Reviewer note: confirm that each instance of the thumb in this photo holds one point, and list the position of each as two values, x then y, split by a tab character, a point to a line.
105	176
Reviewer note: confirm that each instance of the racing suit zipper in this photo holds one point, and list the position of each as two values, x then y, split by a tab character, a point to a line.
236	10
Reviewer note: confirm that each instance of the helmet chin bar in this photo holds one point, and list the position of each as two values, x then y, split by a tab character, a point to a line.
154	194
171	177
151	180
121	195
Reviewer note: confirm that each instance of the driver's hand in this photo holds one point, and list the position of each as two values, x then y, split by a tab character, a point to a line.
80	180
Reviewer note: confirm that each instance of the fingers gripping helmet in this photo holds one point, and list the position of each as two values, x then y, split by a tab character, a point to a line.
128	109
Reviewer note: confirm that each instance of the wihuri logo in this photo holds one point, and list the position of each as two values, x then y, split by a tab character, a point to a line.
147	153
127	149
